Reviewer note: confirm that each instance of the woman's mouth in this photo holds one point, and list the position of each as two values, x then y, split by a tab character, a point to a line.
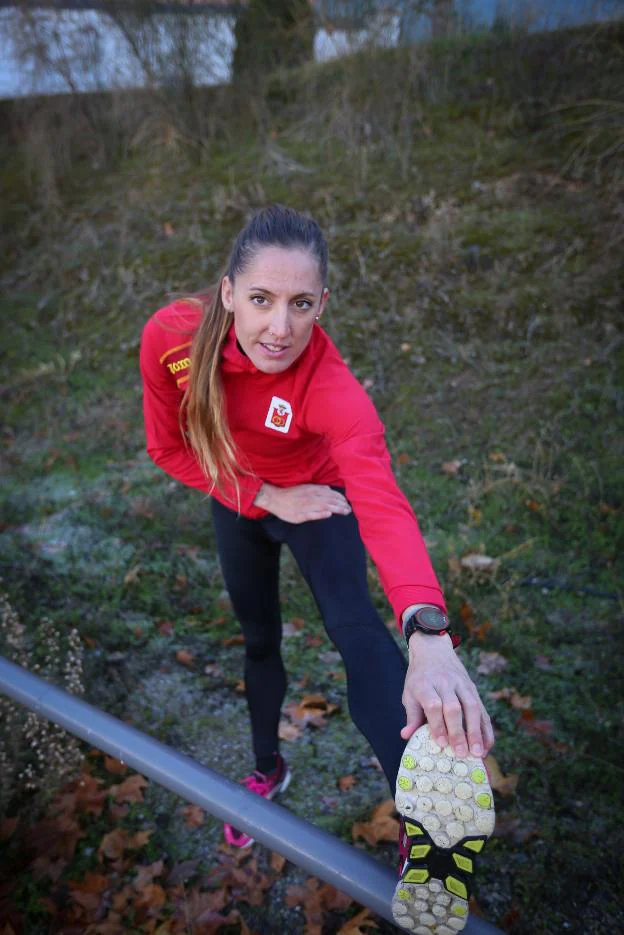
274	350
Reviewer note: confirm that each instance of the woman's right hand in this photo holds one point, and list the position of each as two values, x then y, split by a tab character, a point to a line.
302	503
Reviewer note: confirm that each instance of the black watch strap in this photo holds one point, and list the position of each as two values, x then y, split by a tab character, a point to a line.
430	620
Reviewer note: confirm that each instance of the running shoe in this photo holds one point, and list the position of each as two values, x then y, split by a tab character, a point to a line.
446	810
265	784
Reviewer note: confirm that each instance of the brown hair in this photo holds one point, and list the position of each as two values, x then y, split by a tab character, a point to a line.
203	403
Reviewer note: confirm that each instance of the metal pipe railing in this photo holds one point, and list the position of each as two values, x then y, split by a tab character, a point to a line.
319	853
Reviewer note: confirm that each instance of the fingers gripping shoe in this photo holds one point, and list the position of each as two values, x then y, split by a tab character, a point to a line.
446	812
266	785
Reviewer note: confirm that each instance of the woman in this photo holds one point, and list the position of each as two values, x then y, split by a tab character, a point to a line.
247	399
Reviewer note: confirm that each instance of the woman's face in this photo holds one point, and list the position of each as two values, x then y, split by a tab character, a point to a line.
275	302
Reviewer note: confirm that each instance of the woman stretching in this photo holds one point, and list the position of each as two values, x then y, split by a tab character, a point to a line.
247	399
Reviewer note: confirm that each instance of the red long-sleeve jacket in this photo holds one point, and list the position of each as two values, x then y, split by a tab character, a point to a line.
311	424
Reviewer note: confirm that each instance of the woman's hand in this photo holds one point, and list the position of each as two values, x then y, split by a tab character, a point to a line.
302	503
439	690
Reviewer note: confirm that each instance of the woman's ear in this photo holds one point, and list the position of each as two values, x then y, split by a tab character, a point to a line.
226	294
323	302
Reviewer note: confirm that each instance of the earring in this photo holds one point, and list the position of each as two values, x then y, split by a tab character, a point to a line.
318	317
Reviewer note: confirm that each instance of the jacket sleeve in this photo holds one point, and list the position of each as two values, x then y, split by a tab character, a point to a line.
339	408
166	444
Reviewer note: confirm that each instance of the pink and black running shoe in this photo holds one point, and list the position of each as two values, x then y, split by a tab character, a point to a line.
265	784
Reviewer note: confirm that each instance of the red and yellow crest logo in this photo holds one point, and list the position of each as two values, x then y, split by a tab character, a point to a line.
279	415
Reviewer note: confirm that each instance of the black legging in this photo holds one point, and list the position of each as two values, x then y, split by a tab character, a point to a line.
331	556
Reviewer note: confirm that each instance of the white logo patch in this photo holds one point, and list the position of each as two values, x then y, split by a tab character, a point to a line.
279	415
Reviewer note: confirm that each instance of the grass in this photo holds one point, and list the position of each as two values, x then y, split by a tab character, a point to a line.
479	290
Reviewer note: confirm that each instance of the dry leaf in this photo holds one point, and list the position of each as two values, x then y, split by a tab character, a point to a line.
130	790
213	669
167	229
113	765
152	897
497	457
358	924
452	468
131	576
475	515
288	731
240	687
277	862
505	785
490	663
347	782
517	701
165	627
193	815
381	827
113	844
403	458
534	505
475	561
237	640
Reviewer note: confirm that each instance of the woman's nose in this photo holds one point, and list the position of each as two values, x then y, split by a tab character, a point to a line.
280	322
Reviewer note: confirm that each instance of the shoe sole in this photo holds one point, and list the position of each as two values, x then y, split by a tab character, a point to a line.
448	807
283	786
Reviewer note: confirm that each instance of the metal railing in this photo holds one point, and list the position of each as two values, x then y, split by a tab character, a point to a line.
364	879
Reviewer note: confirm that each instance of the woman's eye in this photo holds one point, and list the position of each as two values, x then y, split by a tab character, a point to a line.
258	299
303	304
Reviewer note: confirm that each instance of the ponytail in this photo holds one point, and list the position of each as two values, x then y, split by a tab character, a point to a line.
203	403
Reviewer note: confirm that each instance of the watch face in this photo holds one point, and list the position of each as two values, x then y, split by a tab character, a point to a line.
431	618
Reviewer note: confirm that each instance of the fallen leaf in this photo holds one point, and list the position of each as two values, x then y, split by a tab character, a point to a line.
193	815
146	874
505	785
452	468
113	844
213	669
517	701
475	561
151	897
381	827
237	640
497	457
490	662
183	871
113	765
277	862
403	458
475	515
185	657
130	790
358	924
288	731
347	782
168	229
131	576
165	627
534	505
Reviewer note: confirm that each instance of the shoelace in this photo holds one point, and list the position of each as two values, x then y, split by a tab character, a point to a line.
256	783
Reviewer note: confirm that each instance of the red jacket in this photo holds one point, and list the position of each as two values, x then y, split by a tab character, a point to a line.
311	424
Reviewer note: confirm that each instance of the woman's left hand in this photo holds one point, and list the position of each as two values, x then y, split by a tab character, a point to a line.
439	690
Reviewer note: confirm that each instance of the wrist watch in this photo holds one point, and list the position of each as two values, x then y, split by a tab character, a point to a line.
428	619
